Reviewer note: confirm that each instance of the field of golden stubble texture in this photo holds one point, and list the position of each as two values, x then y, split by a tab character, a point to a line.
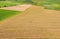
34	23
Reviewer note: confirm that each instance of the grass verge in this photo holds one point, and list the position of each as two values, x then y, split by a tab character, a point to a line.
7	13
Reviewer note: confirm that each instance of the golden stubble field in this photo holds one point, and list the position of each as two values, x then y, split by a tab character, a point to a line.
34	23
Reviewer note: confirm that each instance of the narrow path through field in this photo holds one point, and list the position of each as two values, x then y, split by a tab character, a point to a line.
34	23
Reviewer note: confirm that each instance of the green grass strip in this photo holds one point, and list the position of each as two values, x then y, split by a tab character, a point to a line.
7	13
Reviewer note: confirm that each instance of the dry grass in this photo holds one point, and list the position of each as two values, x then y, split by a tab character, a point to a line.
34	23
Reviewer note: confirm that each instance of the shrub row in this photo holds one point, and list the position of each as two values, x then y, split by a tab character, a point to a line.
7	3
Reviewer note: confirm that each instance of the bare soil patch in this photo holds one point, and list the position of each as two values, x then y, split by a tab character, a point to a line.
18	7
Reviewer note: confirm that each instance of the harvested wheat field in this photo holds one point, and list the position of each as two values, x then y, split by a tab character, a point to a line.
34	23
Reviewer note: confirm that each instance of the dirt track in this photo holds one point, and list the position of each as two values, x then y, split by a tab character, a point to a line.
34	23
18	7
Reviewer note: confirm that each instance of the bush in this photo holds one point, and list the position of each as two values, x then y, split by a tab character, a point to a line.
48	4
4	6
7	3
